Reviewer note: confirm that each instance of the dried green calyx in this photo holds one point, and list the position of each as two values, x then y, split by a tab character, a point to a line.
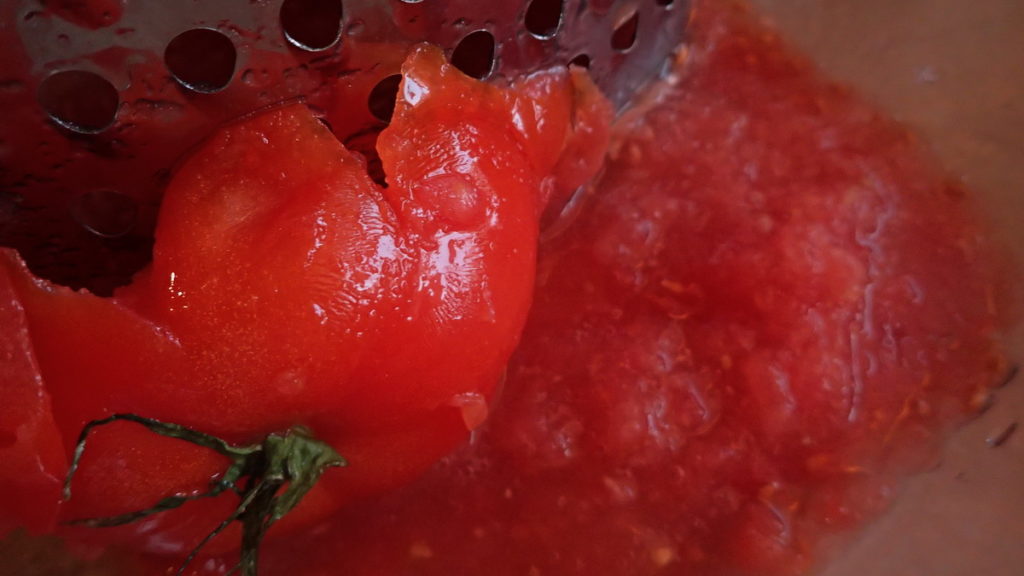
270	478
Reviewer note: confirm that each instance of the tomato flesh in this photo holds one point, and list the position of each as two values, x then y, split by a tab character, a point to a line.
30	448
287	288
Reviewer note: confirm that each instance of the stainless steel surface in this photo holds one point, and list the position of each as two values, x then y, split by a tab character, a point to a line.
622	41
953	71
104	97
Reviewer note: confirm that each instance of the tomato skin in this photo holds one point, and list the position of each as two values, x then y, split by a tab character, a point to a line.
287	288
31	452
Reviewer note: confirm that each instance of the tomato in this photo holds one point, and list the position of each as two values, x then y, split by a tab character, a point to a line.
287	288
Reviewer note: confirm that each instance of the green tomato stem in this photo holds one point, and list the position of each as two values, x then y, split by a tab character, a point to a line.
270	478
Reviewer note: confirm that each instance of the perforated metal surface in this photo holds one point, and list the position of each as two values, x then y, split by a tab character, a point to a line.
102	98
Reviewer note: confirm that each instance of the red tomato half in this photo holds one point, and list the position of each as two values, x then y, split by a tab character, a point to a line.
288	288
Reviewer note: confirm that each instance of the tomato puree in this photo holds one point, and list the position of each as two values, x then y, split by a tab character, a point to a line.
769	309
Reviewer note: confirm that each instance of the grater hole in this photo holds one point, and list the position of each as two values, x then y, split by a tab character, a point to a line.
105	213
544	17
81	101
382	98
312	24
624	36
581	60
201	59
474	54
664	3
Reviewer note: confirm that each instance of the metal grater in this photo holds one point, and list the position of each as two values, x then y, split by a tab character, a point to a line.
101	98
